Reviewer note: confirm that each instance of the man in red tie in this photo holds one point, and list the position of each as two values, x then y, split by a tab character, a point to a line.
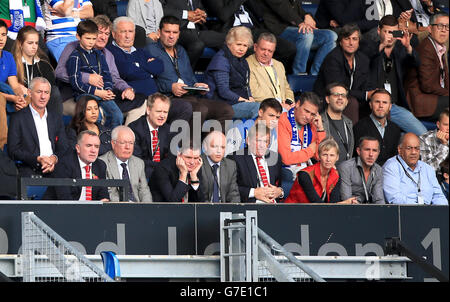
82	163
259	169
152	132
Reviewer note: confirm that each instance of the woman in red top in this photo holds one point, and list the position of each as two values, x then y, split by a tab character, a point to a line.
319	183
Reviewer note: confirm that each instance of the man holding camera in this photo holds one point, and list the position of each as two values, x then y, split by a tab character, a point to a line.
390	59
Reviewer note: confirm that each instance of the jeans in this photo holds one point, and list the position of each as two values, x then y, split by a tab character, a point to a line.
286	181
245	110
406	120
322	40
56	46
113	115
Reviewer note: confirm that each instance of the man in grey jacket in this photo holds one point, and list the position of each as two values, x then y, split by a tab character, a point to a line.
361	176
335	123
221	187
122	164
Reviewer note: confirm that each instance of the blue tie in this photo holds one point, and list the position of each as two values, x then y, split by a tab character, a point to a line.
216	197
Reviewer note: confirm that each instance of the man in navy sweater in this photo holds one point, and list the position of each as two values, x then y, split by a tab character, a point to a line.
139	69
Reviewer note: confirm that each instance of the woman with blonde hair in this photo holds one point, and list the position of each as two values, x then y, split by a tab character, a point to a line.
32	62
319	183
228	74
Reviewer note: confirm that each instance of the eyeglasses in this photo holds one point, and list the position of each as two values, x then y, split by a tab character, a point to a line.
441	26
337	94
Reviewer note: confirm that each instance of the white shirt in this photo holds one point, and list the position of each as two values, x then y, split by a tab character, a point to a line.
119	166
45	145
83	176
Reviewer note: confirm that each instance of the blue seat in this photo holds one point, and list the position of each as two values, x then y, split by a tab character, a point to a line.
122	7
208	53
429	125
301	83
111	264
36	192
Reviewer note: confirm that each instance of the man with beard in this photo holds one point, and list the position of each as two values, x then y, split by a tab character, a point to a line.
378	126
335	123
408	180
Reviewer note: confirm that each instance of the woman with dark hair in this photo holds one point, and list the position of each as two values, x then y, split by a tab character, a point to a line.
85	118
32	62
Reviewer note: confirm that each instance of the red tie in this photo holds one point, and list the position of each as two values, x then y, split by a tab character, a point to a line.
262	172
155	146
88	189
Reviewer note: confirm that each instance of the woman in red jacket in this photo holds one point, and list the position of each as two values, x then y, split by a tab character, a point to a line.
319	183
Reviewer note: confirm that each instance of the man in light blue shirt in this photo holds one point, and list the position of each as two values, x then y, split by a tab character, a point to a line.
408	180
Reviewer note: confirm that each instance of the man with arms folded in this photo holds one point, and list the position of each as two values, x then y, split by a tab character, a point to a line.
121	164
408	180
361	176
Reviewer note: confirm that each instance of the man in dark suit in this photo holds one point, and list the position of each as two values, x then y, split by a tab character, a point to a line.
219	174
83	163
259	169
348	64
36	136
195	35
178	177
377	125
390	59
153	133
287	19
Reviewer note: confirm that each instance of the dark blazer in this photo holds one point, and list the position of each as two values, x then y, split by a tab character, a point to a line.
167	188
143	143
423	82
402	61
388	144
23	141
279	14
247	176
229	190
335	67
69	167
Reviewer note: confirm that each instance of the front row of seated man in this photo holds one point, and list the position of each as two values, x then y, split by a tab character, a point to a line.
251	174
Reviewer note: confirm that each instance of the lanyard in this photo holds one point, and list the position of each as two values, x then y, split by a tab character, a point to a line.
345	143
409	176
32	71
272	82
85	59
361	172
174	61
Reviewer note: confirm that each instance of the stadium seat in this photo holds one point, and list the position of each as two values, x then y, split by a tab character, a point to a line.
429	125
111	264
122	7
301	83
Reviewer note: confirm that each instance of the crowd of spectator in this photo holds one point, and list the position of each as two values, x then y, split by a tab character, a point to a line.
234	131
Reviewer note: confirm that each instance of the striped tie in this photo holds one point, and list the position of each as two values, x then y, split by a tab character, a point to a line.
155	147
88	176
262	172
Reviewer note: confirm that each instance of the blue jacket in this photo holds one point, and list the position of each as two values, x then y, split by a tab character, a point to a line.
165	79
227	77
136	69
92	61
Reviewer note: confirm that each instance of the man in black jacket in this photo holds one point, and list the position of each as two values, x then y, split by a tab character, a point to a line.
390	60
377	125
350	66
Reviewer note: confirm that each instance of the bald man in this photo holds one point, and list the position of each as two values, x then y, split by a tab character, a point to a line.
219	173
408	180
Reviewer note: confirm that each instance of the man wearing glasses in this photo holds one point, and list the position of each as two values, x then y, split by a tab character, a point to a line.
427	85
335	123
408	180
